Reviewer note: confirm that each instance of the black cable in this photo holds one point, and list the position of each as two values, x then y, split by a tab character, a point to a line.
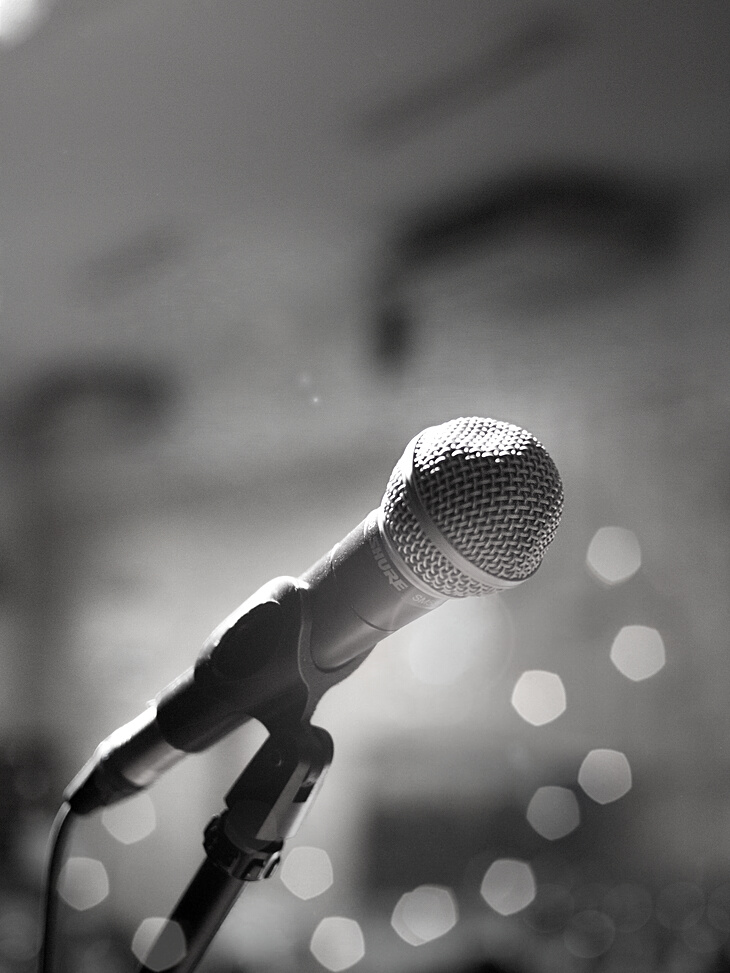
57	842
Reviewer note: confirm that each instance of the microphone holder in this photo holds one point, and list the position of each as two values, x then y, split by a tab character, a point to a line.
243	844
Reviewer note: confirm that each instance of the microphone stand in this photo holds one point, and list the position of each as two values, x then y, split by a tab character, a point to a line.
269	800
243	844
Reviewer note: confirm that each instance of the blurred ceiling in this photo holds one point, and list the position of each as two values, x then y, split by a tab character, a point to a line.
209	189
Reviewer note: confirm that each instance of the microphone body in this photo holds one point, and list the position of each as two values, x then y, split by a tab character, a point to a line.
271	660
436	535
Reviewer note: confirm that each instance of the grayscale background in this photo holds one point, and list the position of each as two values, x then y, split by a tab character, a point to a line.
247	250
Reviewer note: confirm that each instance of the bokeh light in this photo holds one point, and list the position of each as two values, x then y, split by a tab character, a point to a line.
605	775
132	820
83	883
680	904
429	662
458	643
508	886
307	872
159	943
630	906
614	555
638	652
702	938
589	934
18	19
426	913
18	933
337	943
539	697
101	955
551	908
553	812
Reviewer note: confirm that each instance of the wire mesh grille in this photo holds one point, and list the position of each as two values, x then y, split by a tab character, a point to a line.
493	493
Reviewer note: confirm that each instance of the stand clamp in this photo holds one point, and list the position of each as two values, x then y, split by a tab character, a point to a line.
265	806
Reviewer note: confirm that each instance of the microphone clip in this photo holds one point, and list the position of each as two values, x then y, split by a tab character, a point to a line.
243	844
268	802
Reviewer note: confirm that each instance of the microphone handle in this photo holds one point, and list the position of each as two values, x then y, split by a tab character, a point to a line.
362	592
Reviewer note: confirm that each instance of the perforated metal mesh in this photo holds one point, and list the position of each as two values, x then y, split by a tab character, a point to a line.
493	493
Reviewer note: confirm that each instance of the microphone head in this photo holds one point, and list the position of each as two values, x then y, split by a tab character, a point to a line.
471	507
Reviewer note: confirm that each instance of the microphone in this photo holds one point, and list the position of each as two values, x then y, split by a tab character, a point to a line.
469	509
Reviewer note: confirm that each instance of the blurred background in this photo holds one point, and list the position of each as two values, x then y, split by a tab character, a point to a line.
247	251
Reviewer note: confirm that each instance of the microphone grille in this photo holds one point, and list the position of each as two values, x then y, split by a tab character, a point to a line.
472	490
